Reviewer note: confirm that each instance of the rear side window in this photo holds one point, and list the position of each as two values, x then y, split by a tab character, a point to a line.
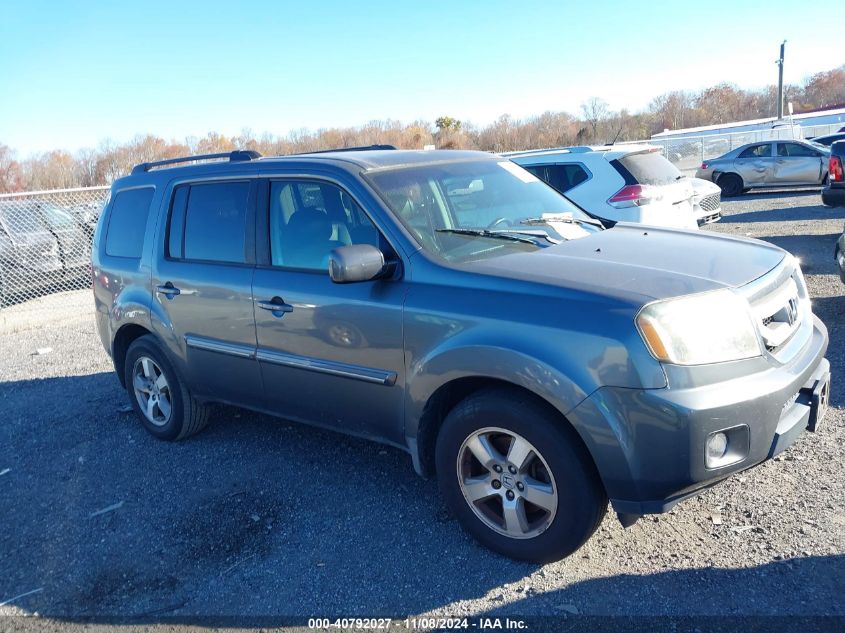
647	169
127	222
561	177
208	222
757	151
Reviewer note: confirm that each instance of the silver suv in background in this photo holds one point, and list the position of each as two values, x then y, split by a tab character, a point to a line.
620	183
454	306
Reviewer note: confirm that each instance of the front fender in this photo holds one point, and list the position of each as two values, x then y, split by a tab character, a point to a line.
485	361
562	366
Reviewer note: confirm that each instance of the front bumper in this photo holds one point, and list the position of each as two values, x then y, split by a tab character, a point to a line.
839	256
709	218
649	444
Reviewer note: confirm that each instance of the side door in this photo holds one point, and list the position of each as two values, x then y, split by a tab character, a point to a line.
202	287
330	354
797	164
755	164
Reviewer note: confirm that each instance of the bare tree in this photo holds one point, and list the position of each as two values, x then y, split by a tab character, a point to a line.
11	174
721	103
595	111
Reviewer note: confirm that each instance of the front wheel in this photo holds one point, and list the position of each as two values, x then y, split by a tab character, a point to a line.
518	479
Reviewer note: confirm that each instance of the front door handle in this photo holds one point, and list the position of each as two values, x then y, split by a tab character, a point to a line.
276	305
168	289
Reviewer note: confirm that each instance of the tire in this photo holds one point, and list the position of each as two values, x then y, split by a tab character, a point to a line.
183	416
731	184
562	476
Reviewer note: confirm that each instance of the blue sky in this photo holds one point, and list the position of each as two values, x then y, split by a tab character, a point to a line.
75	73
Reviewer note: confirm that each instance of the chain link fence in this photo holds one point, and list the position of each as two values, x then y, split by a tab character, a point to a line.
45	242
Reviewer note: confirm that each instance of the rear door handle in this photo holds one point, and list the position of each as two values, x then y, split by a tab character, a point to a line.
169	290
276	305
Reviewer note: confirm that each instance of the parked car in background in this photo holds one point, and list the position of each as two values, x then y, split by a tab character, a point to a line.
620	183
452	305
767	164
829	139
41	246
706	201
833	194
86	215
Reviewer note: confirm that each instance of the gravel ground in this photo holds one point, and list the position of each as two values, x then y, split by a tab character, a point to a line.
257	516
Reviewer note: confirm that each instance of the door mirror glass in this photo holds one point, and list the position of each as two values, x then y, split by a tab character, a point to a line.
358	262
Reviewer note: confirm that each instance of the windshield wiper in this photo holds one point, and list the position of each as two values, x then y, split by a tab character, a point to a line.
566	219
514	235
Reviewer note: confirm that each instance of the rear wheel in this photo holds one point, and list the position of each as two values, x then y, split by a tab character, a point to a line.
731	184
518	479
162	401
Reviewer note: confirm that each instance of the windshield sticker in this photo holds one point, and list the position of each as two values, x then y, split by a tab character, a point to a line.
519	172
569	231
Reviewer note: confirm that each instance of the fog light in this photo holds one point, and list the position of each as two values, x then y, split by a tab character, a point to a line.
727	446
717	447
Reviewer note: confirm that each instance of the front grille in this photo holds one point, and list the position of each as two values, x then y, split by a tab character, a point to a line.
780	304
711	203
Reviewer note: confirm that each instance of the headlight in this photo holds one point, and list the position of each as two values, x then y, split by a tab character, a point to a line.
711	327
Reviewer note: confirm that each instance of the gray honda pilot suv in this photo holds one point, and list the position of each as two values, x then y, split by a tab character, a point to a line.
451	304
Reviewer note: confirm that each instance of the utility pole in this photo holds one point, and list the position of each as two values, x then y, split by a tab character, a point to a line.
780	81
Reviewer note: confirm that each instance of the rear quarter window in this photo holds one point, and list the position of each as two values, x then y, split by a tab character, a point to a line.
128	222
561	177
647	169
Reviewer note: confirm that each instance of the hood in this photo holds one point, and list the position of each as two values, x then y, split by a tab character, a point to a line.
638	263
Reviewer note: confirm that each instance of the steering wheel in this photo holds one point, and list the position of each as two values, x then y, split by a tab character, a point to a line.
498	221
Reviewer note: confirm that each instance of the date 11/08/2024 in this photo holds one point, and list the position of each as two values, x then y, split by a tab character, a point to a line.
420	623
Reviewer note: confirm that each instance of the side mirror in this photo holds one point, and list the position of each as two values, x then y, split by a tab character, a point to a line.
357	262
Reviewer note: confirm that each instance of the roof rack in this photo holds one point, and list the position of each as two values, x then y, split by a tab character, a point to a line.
237	156
363	148
572	149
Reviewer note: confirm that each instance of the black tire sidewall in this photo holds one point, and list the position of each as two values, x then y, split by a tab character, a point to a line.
732	185
581	498
146	346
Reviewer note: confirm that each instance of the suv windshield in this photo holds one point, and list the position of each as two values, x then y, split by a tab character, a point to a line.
474	209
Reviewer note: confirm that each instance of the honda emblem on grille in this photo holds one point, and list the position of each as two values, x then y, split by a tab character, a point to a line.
792	311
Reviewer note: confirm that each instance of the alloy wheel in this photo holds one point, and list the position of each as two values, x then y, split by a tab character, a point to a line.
507	483
152	391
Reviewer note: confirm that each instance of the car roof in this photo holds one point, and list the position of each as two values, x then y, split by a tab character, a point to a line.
380	159
608	152
836	136
351	161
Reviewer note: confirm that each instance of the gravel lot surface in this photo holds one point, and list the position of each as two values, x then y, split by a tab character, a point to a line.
256	516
